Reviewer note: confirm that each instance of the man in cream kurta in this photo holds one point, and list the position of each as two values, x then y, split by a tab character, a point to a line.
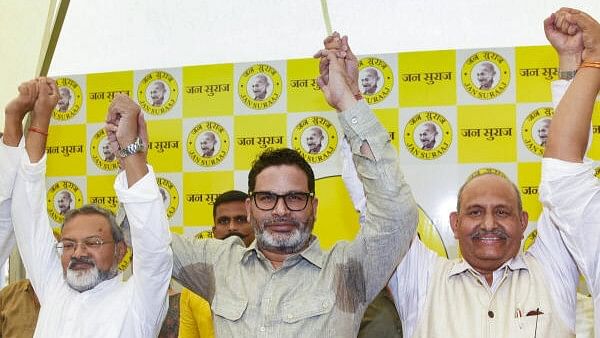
493	291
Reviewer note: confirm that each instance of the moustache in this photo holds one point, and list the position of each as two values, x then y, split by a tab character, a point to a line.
279	220
497	232
82	260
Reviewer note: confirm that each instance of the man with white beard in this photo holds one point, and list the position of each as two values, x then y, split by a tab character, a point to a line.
76	279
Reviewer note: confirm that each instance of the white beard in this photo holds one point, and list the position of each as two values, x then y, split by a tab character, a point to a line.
83	280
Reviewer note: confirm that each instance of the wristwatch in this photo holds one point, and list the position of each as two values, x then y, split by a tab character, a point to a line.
136	147
567	75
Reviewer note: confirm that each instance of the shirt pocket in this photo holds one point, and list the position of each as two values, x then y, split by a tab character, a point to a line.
308	306
229	307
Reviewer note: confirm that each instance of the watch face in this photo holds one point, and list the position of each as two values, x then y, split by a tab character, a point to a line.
136	147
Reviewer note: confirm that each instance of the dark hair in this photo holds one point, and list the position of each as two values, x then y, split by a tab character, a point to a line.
93	209
229	196
276	157
479	174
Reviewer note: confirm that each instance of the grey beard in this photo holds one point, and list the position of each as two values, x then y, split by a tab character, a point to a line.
289	243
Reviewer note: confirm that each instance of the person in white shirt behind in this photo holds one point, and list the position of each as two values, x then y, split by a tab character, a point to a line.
569	190
77	281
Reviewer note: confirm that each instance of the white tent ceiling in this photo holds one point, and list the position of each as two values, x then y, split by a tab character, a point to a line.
114	34
109	35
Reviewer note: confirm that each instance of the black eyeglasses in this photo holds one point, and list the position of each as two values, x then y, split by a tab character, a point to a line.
90	243
294	201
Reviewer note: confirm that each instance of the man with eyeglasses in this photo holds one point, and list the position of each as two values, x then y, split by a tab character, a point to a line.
283	284
77	281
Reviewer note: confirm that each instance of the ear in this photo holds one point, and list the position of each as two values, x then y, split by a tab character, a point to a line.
524	221
121	250
314	204
454	222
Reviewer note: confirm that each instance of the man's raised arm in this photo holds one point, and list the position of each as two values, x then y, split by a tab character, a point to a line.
137	189
391	213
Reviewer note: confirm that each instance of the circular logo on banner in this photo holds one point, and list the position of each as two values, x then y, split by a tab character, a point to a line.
259	86
376	79
535	128
485	75
69	102
102	155
207	144
169	194
315	138
158	92
62	197
428	135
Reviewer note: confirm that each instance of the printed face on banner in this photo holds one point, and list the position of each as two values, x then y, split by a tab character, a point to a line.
64	100
70	99
428	135
315	138
370	80
486	75
260	86
207	144
62	196
535	128
157	93
376	79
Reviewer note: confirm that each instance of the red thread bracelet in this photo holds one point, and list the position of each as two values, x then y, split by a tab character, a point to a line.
38	130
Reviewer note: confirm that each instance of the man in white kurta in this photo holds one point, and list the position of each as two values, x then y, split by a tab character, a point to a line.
111	308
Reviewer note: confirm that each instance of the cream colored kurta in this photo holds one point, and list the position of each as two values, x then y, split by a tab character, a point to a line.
459	305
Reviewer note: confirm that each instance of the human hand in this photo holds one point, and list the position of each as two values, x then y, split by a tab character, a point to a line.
18	107
569	47
124	123
337	91
44	104
339	45
571	21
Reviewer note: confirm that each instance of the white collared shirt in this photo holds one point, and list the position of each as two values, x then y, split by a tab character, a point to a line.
113	308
